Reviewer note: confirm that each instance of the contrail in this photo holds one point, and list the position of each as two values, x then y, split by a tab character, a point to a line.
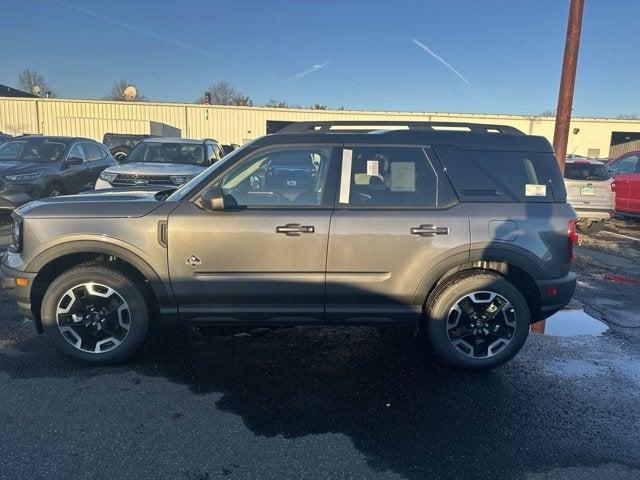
313	69
164	38
440	59
370	92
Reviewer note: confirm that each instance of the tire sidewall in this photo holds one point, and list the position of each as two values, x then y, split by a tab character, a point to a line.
454	290
54	186
110	278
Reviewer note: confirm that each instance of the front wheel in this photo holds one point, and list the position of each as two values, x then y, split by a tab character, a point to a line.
95	314
477	321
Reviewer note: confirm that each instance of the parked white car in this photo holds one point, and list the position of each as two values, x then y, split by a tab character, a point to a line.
591	192
162	162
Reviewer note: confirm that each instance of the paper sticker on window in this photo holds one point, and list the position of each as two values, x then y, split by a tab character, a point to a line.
403	177
372	167
533	190
345	176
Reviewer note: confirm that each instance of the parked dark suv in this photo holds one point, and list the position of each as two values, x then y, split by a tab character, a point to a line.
121	144
36	166
461	231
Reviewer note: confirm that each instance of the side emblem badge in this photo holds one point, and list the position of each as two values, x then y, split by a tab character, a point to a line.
193	261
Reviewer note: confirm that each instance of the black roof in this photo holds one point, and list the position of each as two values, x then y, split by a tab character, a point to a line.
54	138
6	91
476	136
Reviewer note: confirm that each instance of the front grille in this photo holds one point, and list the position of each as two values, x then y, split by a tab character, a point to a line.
124	180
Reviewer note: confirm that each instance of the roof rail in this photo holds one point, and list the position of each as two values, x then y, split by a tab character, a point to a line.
325	126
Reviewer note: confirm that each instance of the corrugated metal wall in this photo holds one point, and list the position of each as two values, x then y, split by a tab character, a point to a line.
93	119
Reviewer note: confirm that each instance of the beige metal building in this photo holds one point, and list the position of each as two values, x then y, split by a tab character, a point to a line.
595	137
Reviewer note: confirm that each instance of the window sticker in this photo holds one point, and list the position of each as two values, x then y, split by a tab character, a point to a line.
345	176
534	190
372	167
403	177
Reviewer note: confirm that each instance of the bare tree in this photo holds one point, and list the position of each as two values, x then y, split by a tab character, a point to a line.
223	93
319	106
547	113
628	116
117	92
273	103
33	82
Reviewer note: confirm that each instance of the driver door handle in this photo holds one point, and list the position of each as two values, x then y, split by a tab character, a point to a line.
295	229
429	230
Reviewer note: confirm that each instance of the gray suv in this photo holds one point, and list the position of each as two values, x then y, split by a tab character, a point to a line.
460	231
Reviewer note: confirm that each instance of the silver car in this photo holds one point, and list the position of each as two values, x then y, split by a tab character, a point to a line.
590	190
161	162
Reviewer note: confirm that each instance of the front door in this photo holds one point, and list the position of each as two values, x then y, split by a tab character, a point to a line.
396	217
264	261
623	171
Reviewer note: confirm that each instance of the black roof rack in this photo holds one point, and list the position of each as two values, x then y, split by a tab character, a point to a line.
325	126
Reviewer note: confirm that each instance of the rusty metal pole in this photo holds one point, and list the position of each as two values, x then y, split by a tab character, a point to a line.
567	81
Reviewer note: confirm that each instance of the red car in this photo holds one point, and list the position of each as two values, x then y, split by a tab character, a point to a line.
625	171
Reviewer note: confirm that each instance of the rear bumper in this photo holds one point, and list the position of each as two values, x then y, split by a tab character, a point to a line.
594	213
564	287
21	294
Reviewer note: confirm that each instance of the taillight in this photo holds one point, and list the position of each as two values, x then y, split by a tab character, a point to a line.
613	186
573	238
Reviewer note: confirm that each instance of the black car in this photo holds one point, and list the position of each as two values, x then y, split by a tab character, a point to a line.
120	144
37	166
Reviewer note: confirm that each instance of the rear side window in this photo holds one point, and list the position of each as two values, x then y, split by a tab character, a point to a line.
93	152
585	171
393	177
492	176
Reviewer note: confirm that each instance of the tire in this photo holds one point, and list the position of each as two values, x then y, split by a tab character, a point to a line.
54	190
120	154
121	332
590	227
446	319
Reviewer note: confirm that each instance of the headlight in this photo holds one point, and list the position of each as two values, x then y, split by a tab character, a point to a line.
23	177
108	176
180	179
16	234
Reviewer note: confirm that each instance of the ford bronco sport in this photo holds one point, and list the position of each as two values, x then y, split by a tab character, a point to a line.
461	231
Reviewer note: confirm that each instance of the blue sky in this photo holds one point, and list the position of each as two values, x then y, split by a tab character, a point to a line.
494	56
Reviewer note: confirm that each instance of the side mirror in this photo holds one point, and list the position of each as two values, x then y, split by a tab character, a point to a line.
74	161
215	200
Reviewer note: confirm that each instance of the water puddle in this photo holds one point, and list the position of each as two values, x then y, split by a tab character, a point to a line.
570	323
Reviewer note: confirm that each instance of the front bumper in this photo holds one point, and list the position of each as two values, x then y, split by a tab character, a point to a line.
564	288
21	294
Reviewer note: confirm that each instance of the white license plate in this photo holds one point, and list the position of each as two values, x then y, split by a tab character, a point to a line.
588	191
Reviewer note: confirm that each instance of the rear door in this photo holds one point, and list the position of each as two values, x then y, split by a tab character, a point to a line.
264	261
396	217
76	176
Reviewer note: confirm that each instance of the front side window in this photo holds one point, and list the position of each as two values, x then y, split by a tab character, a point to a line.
32	150
156	152
77	152
392	177
287	177
625	165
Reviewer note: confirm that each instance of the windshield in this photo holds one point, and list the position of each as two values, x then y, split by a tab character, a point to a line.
220	165
32	150
156	152
585	171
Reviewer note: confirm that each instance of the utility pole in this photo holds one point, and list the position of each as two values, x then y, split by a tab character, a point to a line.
567	81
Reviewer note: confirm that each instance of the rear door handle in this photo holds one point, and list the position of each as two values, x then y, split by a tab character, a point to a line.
295	229
429	230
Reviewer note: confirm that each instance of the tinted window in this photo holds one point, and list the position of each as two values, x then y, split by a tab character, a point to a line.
395	177
155	152
77	152
585	171
32	150
624	165
280	178
93	152
488	176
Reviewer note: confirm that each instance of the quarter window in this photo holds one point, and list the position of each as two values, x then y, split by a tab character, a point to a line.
288	177
393	177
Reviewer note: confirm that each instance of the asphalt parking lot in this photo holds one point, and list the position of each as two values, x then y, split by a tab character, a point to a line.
337	402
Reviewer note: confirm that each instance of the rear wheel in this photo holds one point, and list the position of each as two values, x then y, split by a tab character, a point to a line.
477	321
95	314
54	190
590	227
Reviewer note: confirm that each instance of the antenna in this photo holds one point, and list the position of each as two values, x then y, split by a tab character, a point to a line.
129	93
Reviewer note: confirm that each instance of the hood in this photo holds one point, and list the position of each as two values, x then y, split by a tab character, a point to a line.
159	169
8	167
101	204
